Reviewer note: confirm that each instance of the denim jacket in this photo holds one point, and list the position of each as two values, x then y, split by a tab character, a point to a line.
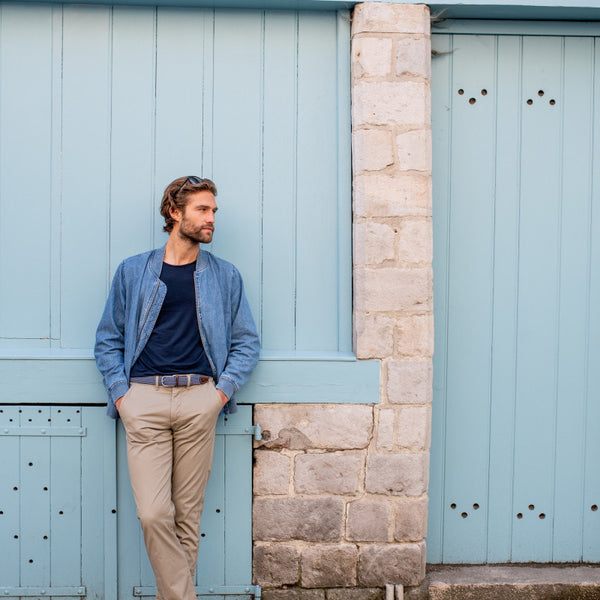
226	326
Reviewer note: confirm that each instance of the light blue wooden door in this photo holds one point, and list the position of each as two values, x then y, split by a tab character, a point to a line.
516	124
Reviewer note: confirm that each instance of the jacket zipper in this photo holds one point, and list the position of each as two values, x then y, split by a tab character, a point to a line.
210	362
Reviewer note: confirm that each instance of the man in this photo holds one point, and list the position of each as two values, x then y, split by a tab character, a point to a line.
174	344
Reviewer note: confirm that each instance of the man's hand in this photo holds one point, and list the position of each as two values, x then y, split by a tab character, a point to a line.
224	398
118	403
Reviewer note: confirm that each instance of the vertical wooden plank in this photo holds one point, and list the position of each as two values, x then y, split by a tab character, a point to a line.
65	500
238	143
591	502
317	225
506	260
110	505
25	174
279	215
470	298
95	552
344	184
537	334
210	568
133	208
442	97
34	462
86	170
576	110
10	506
180	94
238	501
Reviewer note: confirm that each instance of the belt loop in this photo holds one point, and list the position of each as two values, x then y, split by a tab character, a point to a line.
156	382
188	380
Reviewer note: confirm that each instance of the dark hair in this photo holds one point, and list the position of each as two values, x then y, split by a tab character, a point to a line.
177	194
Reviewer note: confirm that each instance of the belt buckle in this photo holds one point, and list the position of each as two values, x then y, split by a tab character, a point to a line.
172	378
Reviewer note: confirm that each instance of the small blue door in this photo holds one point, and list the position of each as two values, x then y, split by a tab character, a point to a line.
516	126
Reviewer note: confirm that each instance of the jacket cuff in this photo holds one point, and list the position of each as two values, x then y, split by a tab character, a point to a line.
118	389
226	386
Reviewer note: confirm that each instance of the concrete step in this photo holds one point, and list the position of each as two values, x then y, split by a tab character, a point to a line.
539	582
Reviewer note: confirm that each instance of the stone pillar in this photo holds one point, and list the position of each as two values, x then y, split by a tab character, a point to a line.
340	491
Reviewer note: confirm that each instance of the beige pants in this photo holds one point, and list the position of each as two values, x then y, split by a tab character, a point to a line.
170	440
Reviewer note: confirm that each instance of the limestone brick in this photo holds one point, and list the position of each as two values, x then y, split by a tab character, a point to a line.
405	103
272	472
402	474
413	57
410	519
372	149
385	429
329	566
294	594
371	56
368	520
333	473
308	519
415	241
356	594
373	243
390	289
315	426
414	335
380	195
398	563
413	150
409	382
413	427
374	335
276	564
378	17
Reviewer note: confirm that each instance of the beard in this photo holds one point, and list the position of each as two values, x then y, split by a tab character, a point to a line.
198	235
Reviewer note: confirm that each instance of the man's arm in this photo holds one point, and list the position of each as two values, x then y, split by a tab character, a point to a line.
110	341
245	344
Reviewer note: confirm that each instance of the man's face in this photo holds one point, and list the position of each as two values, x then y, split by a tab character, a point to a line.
197	221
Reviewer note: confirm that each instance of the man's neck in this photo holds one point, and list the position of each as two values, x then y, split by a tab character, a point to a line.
180	252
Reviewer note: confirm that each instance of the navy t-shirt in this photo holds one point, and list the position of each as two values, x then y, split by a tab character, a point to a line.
175	345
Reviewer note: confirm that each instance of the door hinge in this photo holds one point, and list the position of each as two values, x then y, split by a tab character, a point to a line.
208	590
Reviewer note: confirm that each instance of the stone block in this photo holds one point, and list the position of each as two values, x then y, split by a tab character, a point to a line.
378	17
396	563
294	594
385	429
391	289
373	243
371	57
276	565
402	474
315	426
368	520
413	427
410	519
374	335
329	566
413	150
308	519
329	473
401	103
272	472
413	56
409	382
372	149
414	336
415	241
379	195
356	594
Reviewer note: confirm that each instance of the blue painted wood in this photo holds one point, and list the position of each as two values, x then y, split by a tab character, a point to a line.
514	284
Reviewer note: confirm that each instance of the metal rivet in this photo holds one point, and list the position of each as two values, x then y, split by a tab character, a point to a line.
43	431
212	590
6	431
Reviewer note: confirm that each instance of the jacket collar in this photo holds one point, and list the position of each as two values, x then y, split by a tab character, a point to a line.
156	259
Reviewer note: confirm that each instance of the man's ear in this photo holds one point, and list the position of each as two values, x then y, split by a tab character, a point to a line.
175	213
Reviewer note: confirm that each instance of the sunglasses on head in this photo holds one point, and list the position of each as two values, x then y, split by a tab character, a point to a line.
191	179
